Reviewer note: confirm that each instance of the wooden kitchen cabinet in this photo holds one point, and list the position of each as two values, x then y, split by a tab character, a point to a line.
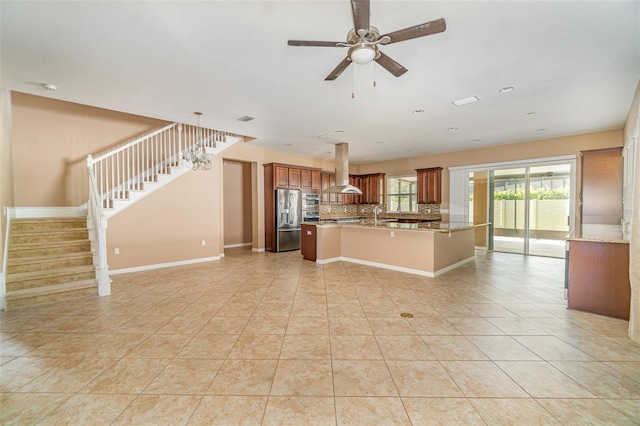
372	187
328	180
308	242
353	198
310	179
429	185
286	177
598	277
283	176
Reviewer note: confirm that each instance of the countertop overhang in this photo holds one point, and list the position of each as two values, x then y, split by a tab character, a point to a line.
383	224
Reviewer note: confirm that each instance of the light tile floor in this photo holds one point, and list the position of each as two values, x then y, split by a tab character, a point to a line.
263	338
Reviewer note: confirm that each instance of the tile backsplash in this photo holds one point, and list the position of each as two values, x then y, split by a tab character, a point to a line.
332	211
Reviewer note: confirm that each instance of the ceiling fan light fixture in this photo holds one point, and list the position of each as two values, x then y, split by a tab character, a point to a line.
363	53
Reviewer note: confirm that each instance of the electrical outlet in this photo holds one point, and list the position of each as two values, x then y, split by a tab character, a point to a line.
204	243
116	250
393	234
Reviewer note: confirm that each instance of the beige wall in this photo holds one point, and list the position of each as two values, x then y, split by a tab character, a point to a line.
6	167
57	136
568	145
169	224
237	203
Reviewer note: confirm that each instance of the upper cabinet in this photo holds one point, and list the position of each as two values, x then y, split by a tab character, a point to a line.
372	187
310	179
286	177
430	185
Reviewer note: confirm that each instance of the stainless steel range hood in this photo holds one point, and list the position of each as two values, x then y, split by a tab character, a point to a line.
342	173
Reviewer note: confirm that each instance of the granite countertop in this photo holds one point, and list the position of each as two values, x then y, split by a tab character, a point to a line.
432	226
601	233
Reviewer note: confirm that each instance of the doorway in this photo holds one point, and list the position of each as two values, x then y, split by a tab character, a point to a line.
529	207
238	207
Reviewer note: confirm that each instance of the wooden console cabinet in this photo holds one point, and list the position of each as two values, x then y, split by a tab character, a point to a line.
598	277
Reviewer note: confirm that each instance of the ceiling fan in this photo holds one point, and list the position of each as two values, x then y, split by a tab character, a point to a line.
363	41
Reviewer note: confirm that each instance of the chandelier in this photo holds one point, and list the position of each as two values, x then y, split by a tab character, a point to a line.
197	157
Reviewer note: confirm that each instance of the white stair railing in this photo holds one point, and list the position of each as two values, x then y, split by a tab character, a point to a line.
130	166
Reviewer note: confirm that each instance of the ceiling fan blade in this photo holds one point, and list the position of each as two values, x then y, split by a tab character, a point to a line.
314	43
390	65
428	28
360	10
338	70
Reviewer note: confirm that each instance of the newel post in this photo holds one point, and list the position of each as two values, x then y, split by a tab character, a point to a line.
104	282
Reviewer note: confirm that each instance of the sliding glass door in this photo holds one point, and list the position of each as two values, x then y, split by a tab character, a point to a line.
529	208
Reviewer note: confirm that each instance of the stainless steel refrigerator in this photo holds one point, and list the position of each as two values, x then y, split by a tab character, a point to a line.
288	219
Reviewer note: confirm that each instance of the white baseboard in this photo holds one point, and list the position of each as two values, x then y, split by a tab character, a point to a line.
396	268
162	265
238	245
455	265
258	250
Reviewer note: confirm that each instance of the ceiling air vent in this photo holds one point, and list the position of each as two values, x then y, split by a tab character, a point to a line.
246	118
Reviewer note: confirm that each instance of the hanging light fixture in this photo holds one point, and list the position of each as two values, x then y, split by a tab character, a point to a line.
197	157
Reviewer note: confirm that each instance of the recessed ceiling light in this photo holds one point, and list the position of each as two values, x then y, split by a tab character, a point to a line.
543	129
339	132
409	150
507	89
326	136
418	111
287	144
531	113
327	152
452	129
246	118
466	101
379	142
48	86
475	140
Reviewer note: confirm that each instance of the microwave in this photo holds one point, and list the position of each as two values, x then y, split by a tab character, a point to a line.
310	201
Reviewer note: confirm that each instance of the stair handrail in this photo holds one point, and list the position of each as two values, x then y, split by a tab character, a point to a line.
99	223
134	142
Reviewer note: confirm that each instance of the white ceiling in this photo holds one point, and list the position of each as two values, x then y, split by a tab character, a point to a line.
575	64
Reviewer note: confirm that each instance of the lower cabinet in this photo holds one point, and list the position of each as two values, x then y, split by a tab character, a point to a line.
598	278
308	242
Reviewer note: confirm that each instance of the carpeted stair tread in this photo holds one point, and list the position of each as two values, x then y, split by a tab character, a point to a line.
48	262
51	289
48	223
21	250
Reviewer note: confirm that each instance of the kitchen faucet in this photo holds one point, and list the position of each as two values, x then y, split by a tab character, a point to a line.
376	210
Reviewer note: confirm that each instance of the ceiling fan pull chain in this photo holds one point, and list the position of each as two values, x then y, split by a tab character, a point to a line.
353	77
374	74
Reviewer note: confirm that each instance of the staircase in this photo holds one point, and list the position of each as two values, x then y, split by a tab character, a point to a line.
56	259
49	260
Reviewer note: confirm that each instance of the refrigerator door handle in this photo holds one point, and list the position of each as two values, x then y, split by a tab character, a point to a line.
288	229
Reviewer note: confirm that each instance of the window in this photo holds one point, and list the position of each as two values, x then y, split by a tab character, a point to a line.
402	194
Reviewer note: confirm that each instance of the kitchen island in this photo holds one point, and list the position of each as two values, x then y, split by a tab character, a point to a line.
428	249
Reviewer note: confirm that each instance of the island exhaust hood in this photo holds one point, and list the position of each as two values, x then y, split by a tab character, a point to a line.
342	173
